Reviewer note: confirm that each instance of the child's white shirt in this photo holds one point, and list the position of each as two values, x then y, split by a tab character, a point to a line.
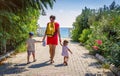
31	44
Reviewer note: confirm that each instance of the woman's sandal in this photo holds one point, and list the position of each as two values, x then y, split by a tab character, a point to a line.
34	60
51	61
28	62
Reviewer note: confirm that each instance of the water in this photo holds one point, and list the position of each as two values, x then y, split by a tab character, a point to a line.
65	32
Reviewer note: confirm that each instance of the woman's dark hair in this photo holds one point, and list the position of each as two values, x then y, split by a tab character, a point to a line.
52	16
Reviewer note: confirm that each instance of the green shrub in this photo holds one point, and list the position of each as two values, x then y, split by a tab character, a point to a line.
21	48
85	35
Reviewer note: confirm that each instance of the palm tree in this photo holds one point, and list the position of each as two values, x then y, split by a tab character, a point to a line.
9	8
18	5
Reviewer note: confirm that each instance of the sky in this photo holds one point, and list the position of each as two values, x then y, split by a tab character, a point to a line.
66	11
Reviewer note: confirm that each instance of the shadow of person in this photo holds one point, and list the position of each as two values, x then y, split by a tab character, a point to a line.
8	68
13	70
59	65
39	65
90	74
23	64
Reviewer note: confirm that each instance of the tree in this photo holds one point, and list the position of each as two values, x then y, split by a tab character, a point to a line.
18	5
17	18
112	6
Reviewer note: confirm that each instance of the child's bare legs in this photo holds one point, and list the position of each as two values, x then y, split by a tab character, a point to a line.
33	54
28	56
65	60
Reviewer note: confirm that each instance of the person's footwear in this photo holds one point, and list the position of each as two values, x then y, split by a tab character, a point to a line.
28	62
34	60
65	63
51	61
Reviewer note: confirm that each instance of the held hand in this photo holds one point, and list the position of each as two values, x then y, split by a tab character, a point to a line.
44	43
60	40
43	40
60	43
40	41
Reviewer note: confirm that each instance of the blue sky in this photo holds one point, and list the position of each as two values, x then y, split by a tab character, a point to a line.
66	11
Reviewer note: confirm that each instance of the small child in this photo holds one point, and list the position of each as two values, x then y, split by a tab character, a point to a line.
30	44
65	50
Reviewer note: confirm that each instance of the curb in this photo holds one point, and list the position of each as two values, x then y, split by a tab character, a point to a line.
114	69
6	55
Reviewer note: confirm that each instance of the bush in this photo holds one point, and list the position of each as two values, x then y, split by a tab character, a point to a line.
85	35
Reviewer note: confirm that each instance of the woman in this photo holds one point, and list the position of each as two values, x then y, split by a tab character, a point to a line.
52	36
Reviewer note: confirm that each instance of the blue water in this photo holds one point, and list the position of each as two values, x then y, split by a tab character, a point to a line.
65	32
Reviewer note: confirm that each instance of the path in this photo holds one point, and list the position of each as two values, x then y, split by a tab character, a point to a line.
80	64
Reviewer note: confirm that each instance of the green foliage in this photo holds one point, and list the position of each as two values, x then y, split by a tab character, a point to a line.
15	27
75	35
21	5
85	35
17	19
21	48
104	25
106	65
81	23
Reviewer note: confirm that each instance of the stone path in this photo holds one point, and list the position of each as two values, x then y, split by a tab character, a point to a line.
80	64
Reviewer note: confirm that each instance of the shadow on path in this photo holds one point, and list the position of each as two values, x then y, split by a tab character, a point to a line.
39	65
59	65
23	64
90	74
9	69
95	64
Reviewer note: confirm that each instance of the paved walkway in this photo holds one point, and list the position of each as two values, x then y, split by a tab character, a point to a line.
80	64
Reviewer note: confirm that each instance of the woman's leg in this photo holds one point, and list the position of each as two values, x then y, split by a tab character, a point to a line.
50	51
53	53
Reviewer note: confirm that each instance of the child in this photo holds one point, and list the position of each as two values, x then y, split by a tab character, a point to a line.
65	50
30	43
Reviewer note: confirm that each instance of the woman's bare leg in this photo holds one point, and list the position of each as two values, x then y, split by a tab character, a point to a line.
53	53
50	51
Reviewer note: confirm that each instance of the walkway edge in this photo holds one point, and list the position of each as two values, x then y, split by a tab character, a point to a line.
114	69
6	55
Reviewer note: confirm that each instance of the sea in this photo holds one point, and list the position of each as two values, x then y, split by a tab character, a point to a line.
64	31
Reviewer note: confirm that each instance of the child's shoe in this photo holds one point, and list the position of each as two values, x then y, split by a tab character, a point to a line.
65	63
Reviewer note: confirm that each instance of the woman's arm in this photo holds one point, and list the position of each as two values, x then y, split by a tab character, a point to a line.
59	35
44	35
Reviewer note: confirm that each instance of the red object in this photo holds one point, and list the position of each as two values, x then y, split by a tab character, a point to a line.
99	42
95	47
54	40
